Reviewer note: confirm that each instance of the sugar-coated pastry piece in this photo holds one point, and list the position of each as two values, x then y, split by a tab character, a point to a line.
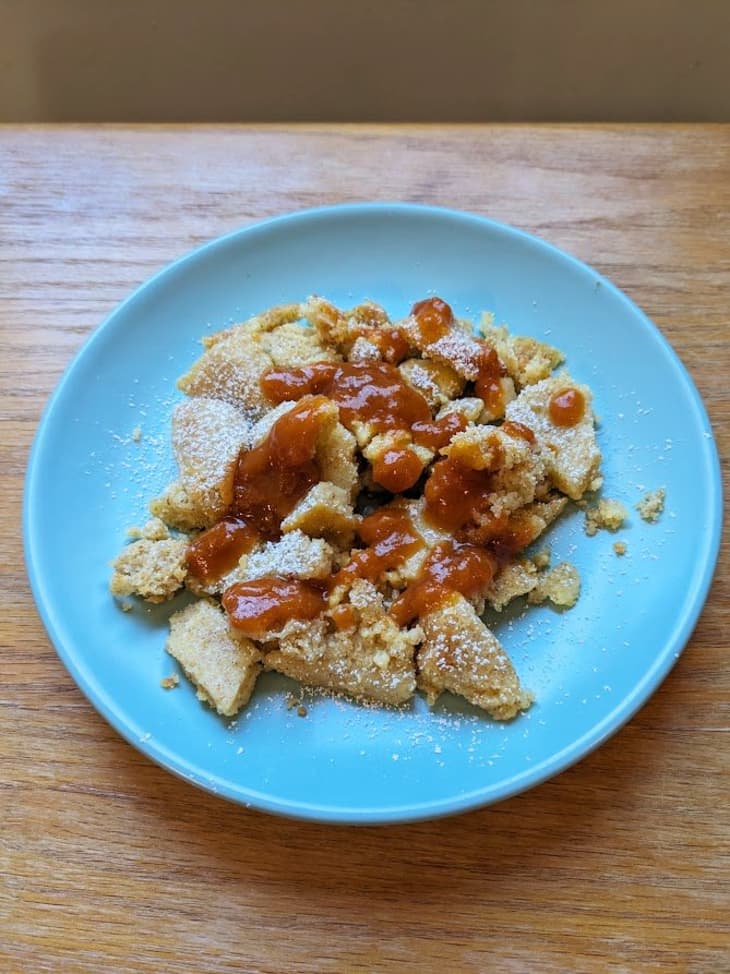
529	521
230	370
368	313
294	555
507	393
263	426
216	586
336	448
154	570
293	345
488	448
461	655
325	511
457	348
527	360
470	408
398	441
342	331
177	509
235	359
329	322
548	509
207	437
409	569
280	314
368	658
437	382
571	454
222	666
516	466
363	350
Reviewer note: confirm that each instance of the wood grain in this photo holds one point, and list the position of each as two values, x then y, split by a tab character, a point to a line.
109	863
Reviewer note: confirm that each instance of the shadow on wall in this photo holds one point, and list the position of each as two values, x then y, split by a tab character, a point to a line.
383	60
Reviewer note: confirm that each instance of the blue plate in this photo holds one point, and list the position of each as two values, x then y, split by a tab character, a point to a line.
590	668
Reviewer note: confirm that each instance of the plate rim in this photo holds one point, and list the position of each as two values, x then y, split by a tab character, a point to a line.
557	762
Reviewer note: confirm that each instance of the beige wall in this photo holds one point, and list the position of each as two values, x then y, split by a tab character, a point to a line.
364	60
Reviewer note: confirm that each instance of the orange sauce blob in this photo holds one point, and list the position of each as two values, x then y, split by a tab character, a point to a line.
263	605
366	392
216	551
344	616
433	319
567	407
272	477
390	538
390	342
397	470
488	385
437	433
449	567
456	495
518	430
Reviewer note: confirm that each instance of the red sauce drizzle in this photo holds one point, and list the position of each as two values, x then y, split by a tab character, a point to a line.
371	392
433	319
390	342
268	482
450	567
391	539
488	385
264	605
276	474
397	470
438	433
456	495
344	616
518	430
216	551
458	500
566	408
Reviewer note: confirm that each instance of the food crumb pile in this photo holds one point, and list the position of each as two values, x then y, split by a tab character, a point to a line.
651	505
353	492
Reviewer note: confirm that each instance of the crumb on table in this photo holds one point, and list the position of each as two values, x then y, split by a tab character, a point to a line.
170	682
620	547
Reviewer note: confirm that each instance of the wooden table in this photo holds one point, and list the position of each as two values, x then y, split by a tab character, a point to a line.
111	864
